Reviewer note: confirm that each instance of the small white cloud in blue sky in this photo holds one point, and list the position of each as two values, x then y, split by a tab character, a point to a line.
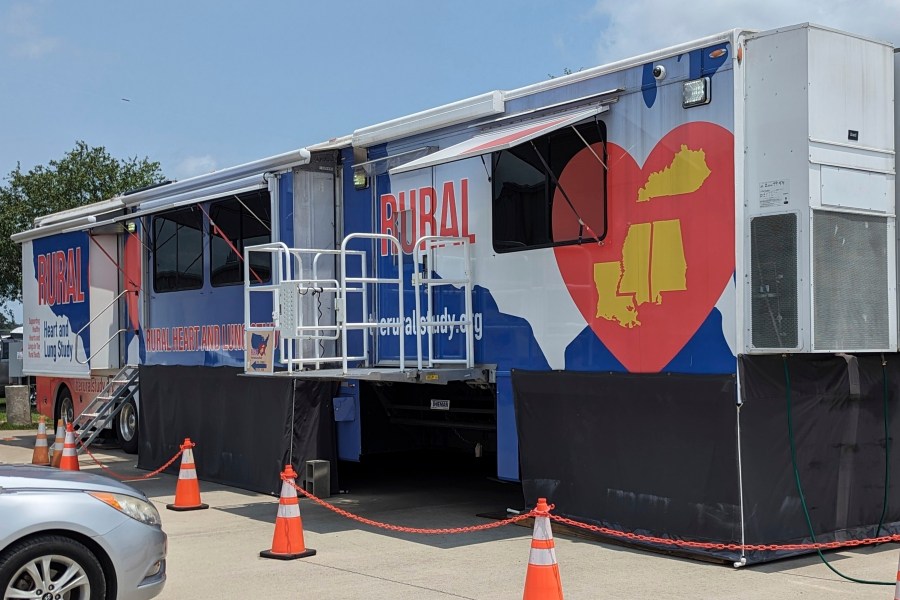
640	26
24	37
194	165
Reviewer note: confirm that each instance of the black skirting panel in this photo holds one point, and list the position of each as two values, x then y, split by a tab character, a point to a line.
838	425
652	454
241	425
657	454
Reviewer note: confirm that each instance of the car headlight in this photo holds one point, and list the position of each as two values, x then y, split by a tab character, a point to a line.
135	508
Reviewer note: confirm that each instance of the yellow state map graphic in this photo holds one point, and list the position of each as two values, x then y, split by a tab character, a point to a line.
653	259
686	174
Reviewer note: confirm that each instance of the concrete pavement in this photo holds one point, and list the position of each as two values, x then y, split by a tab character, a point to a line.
215	553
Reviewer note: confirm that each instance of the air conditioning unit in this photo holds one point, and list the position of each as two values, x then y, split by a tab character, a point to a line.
820	243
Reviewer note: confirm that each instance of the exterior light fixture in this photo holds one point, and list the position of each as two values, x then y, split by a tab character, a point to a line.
360	179
696	92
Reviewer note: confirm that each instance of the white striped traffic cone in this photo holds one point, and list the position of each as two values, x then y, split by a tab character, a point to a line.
41	454
897	587
287	544
59	438
69	461
542	580
187	490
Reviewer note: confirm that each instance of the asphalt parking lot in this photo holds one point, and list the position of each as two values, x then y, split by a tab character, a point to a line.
215	553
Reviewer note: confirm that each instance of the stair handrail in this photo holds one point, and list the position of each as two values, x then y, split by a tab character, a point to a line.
99	399
88	431
88	324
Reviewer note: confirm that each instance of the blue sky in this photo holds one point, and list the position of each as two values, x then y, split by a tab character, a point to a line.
212	84
201	85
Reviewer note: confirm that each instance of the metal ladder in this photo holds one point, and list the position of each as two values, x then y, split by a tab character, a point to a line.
105	407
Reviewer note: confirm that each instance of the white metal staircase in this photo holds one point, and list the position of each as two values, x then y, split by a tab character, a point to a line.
98	415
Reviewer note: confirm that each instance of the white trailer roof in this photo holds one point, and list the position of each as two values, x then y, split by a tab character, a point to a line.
194	189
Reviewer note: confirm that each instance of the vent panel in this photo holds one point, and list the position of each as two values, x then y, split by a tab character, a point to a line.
773	278
850	282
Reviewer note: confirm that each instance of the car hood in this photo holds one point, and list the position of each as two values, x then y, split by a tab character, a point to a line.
21	477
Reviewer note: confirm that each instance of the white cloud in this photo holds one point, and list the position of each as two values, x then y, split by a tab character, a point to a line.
640	26
24	36
195	165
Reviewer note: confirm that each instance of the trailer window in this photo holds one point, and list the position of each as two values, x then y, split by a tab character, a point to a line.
178	250
240	221
551	191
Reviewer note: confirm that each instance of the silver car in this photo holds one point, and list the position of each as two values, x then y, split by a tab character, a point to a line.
67	535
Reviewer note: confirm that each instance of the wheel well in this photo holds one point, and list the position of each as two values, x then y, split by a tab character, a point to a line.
60	388
56	398
112	586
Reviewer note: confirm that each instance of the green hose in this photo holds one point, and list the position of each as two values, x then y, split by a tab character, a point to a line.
812	535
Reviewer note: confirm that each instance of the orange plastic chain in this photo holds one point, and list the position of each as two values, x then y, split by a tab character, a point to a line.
601	530
721	546
379	524
131	478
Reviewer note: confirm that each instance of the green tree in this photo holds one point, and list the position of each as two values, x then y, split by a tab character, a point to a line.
6	322
85	174
566	71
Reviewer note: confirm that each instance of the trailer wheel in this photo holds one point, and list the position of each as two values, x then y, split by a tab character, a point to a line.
127	427
65	406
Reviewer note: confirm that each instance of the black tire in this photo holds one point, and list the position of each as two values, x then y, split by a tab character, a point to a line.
127	427
65	406
64	554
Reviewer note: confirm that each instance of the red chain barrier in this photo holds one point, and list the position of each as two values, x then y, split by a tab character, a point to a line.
379	524
130	478
722	546
637	537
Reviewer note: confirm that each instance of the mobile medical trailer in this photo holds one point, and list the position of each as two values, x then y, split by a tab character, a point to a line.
639	287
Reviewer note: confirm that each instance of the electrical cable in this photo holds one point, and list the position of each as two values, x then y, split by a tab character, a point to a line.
887	442
812	535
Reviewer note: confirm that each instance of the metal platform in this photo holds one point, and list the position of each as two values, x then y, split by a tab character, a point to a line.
477	374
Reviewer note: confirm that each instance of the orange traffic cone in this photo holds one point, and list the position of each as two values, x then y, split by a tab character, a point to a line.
41	455
897	587
542	580
58	440
187	490
69	461
287	544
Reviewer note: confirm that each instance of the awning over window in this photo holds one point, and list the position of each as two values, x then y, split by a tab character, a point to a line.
500	139
158	205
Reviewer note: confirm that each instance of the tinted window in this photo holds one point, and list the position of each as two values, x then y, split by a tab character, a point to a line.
238	222
178	250
551	191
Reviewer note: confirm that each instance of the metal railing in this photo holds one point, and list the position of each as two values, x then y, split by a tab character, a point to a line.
425	263
363	281
88	324
303	282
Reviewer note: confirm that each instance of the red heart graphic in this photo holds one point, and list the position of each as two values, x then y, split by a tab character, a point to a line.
669	248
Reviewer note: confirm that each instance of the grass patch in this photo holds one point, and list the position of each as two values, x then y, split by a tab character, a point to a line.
4	426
